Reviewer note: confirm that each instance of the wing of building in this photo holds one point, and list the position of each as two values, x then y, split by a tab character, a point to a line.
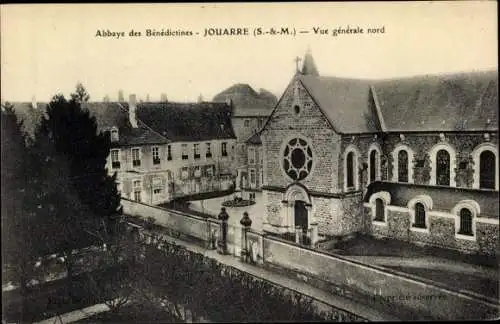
250	111
412	158
167	150
160	151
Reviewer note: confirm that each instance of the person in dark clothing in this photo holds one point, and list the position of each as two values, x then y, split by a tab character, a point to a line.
223	216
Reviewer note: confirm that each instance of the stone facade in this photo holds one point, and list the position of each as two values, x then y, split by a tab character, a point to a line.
175	177
441	231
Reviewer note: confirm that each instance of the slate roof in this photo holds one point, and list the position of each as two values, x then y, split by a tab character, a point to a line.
109	114
186	122
447	102
345	102
452	102
247	102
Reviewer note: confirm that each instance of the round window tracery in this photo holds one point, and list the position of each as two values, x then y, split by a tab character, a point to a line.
297	159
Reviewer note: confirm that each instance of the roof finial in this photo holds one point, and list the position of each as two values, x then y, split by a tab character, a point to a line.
297	60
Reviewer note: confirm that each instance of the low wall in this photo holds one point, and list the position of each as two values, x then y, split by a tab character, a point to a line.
387	285
192	226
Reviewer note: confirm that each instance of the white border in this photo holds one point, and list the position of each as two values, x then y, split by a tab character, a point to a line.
351	148
428	204
475	209
374	147
476	155
395	162
386	198
453	162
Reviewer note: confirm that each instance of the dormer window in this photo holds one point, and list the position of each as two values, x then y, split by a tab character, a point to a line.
114	134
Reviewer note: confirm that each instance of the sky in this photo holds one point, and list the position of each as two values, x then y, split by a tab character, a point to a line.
48	48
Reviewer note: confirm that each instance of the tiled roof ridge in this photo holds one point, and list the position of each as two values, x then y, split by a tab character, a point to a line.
401	78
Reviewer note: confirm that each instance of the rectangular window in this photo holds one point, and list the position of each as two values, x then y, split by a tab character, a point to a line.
136	157
197	172
157	188
184	173
253	179
247	123
156	155
251	155
196	150
260	122
208	154
184	151
210	171
224	149
115	159
137	190
169	152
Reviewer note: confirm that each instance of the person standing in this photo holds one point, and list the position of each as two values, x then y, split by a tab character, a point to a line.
223	217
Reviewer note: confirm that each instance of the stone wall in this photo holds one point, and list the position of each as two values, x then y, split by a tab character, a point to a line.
400	289
463	144
311	124
440	232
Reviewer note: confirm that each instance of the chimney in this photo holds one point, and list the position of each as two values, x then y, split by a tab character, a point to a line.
132	110
33	102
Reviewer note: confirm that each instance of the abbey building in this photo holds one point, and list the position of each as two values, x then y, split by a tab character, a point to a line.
413	158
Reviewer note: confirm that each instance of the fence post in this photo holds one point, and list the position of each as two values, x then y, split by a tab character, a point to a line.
298	234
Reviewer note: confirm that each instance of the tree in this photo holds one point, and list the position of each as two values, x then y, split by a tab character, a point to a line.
106	98
80	95
79	200
18	224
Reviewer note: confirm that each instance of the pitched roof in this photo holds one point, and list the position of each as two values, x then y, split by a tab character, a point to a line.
185	122
246	101
448	102
109	114
345	102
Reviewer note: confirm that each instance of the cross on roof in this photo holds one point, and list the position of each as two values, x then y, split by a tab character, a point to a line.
297	60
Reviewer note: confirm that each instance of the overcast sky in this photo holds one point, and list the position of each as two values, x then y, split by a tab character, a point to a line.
47	48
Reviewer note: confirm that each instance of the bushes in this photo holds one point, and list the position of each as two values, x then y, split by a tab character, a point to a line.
223	293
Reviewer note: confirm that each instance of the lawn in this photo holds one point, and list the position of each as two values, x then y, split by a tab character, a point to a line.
366	245
470	272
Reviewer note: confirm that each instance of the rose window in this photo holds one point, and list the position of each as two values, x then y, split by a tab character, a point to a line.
297	159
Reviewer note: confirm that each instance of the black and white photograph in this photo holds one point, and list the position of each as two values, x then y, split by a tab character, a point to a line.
249	162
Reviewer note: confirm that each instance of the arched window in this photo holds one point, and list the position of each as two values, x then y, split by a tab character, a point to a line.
465	222
379	210
350	169
487	167
402	166
373	165
419	216
443	168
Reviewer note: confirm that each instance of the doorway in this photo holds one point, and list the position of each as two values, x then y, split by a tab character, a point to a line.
300	212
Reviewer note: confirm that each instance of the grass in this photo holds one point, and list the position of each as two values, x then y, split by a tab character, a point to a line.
370	246
483	286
